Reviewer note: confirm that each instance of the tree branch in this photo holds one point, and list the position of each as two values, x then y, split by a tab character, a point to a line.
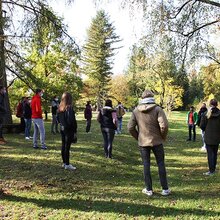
210	2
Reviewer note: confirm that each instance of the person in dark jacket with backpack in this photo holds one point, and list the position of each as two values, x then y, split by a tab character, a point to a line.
108	120
210	123
88	116
68	128
27	117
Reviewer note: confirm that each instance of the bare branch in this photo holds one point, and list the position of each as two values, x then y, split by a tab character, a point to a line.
210	2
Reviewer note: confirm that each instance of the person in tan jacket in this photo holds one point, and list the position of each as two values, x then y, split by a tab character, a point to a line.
149	126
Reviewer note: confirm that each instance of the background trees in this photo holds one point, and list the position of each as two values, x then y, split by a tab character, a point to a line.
98	52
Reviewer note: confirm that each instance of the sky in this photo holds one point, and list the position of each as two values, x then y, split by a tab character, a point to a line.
78	17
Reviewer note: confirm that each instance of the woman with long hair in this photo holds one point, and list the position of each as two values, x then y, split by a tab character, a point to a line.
108	121
68	128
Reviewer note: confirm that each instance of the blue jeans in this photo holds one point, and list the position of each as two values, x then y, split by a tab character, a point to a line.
108	137
27	127
119	125
38	128
212	153
159	155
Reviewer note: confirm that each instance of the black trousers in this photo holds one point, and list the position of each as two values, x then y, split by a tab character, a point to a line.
212	154
65	149
192	128
88	125
159	155
108	137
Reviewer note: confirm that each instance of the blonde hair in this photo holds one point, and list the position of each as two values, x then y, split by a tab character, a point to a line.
66	101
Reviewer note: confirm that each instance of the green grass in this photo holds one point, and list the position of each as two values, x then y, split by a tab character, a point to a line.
34	186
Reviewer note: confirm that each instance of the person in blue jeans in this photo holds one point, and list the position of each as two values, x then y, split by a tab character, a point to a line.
120	111
27	118
149	126
108	122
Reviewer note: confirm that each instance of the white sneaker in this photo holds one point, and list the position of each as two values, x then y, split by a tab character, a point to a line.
27	138
69	167
165	192
209	173
203	148
30	137
147	192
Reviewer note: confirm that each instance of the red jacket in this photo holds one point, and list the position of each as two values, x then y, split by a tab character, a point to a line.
36	107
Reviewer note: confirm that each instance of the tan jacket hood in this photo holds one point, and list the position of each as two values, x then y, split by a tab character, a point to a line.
146	107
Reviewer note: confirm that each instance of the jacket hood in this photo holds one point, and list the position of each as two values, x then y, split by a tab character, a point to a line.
146	107
146	104
215	112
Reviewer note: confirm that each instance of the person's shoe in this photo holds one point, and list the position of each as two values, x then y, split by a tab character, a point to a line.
203	149
165	192
43	147
209	173
27	138
35	147
30	137
69	167
63	165
147	192
3	141
188	139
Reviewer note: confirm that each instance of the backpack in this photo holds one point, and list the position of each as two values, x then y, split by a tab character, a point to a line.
120	112
19	110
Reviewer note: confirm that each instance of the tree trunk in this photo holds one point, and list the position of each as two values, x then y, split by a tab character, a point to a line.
3	77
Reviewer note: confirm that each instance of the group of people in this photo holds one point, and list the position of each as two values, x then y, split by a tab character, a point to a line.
148	125
208	119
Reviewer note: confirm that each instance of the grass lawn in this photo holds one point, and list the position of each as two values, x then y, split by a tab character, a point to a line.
33	185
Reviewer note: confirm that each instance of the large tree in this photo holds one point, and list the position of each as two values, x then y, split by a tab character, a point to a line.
17	20
97	55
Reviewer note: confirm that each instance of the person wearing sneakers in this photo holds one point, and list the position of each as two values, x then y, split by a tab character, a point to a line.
68	128
27	118
149	126
37	119
2	112
210	123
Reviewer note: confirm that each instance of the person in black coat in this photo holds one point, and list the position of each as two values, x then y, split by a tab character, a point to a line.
27	117
108	121
68	128
88	116
202	110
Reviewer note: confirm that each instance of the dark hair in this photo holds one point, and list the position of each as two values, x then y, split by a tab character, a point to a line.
88	102
66	101
192	107
108	103
37	91
213	102
1	87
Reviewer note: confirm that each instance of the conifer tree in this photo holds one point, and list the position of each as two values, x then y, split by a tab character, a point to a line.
97	55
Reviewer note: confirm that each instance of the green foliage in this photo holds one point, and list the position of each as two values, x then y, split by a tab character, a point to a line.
97	55
210	76
50	59
157	71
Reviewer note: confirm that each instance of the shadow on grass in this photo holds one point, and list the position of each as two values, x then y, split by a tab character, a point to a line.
130	209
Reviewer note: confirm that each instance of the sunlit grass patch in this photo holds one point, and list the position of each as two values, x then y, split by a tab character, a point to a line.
33	184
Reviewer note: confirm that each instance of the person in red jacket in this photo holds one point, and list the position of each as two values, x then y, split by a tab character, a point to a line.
38	119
